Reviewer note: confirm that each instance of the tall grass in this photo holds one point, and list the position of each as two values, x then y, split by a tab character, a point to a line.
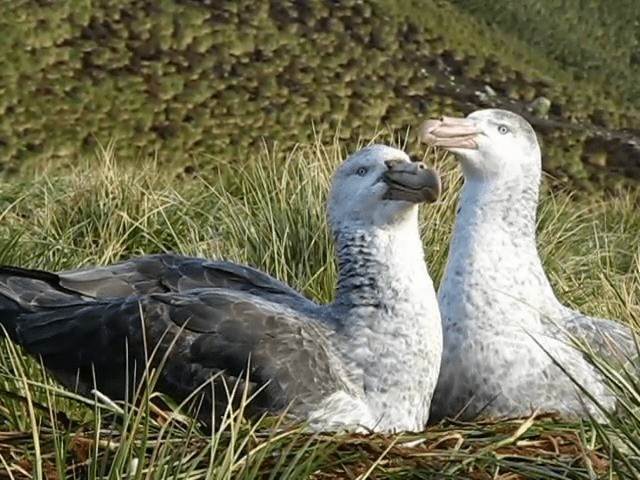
270	212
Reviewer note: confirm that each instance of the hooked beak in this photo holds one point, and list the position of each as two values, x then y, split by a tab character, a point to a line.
411	181
450	132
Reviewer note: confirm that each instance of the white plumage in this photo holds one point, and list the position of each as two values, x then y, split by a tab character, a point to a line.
509	343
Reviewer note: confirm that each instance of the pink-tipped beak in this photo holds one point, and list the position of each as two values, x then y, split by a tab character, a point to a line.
450	132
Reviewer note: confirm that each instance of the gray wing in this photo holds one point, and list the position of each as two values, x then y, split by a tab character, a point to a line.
167	272
610	340
196	335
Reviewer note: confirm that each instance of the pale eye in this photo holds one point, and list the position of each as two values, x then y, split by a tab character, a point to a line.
361	172
502	130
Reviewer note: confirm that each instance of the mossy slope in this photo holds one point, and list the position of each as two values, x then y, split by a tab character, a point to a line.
195	81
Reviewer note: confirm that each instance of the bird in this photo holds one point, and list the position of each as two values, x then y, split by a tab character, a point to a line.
359	363
511	347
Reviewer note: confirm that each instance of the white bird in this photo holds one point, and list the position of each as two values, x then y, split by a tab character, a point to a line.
362	362
509	343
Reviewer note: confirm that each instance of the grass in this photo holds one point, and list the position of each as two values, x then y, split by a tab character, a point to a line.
270	212
589	39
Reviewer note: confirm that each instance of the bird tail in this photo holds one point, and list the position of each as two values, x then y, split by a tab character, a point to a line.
24	291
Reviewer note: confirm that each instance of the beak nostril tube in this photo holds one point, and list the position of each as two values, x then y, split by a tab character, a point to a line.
393	162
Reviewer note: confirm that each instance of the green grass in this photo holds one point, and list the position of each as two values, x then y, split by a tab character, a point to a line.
269	211
592	40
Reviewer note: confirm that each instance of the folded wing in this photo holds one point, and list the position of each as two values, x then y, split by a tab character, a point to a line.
168	272
104	336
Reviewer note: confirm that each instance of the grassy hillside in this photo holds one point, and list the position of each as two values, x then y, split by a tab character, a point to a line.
592	40
269	212
193	82
180	98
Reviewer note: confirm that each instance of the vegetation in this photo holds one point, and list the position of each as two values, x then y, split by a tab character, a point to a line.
269	211
222	115
196	81
593	41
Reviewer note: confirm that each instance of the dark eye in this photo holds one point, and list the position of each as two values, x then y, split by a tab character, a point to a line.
361	172
502	130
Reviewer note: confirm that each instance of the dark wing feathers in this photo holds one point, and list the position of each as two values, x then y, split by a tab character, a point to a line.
197	333
82	333
166	272
292	354
284	349
20	286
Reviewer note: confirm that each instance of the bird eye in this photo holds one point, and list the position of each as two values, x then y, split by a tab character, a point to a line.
361	172
502	130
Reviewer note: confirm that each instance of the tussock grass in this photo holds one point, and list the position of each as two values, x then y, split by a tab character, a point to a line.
270	212
588	39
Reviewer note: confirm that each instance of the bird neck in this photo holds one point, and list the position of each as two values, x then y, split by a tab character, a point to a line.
379	267
493	254
509	205
391	321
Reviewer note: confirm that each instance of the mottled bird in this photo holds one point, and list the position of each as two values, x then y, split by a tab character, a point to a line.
361	362
510	346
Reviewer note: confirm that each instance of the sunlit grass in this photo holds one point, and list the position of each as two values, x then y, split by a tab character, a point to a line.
270	212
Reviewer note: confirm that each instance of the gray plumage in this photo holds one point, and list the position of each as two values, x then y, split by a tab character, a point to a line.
361	362
510	346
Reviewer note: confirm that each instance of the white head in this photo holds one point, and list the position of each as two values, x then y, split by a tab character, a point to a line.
490	144
379	186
